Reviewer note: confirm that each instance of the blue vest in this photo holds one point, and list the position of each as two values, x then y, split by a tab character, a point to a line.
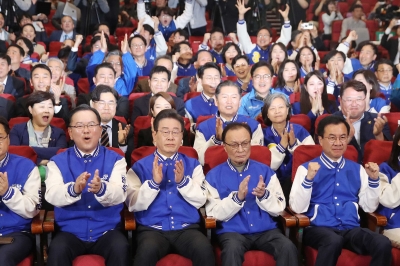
169	210
251	219
151	53
144	70
229	72
167	31
217	56
258	54
186	71
18	169
87	219
199	105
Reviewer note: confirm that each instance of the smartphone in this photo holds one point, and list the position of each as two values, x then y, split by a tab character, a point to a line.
398	22
36	26
307	26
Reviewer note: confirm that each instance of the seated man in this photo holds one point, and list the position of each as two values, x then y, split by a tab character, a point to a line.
16	53
20	201
89	190
9	84
384	70
364	125
183	52
159	79
165	190
137	45
209	132
114	134
67	31
328	190
204	104
41	81
240	185
354	22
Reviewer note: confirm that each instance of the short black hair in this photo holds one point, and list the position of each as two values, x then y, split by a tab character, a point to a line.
38	97
148	28
356	85
234	60
137	37
24	14
235	126
168	113
64	52
5	57
226	47
333	53
104	65
354	7
331	120
42	66
102	24
259	64
200	71
227	83
21	51
383	61
160	69
83	107
366	43
28	44
99	89
177	47
216	29
265	28
203	51
166	57
4	122
183	33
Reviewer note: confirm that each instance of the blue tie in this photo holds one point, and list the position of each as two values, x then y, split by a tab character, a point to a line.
87	156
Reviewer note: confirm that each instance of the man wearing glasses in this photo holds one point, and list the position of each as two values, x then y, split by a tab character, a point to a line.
364	125
244	196
209	132
329	189
165	190
114	133
87	186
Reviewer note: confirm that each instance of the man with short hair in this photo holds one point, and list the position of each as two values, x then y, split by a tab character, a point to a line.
209	132
9	84
184	54
243	192
354	22
92	184
20	201
384	70
364	125
137	45
67	30
329	190
165	190
16	53
158	82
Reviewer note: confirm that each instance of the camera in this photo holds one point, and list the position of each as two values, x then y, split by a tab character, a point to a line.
307	26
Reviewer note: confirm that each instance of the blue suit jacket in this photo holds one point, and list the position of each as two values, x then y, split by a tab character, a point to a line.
183	87
19	136
56	35
15	86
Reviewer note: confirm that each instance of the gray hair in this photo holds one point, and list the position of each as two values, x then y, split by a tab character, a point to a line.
272	96
55	59
227	83
115	52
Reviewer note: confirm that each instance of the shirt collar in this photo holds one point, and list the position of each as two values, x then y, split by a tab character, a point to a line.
357	120
329	163
4	162
162	158
276	133
383	87
109	124
5	80
80	154
224	120
233	168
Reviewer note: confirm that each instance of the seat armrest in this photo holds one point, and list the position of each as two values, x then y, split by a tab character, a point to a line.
287	219
129	220
376	221
48	224
302	220
37	223
209	222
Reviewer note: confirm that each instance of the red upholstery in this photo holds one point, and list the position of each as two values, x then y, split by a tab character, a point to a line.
28	261
317	122
177	79
26	66
347	258
215	155
17	120
372	154
54	47
121	119
60	123
83	86
8	96
251	258
393	119
336	28
144	151
343	7
302	120
141	122
395	257
202	118
231	78
92	260
190	95
174	260
24	151
133	97
120	32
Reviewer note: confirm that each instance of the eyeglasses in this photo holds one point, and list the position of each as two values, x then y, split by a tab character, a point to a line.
114	63
332	139
356	100
2	139
235	146
264	77
165	16
91	126
137	46
102	104
385	70
264	36
167	133
208	78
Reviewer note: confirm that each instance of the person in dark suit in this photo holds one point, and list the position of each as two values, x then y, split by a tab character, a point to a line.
364	125
45	139
67	32
391	44
114	133
159	80
158	102
16	53
7	108
8	84
41	81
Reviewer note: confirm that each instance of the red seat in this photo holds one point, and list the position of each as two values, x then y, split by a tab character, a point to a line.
17	120
231	78
120	32
92	260
177	79
302	120
83	86
26	66
174	260
251	258
24	151
55	46
190	95
346	258
144	151
121	119
60	123
371	154
317	122
215	155
202	118
28	261
393	121
133	97
336	28
141	122
8	97
294	97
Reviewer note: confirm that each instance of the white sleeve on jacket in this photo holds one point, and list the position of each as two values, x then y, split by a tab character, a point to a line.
115	187
286	33
201	145
258	137
307	141
299	199
139	196
275	202
202	3
244	38
56	190
25	202
161	45
184	19
141	13
348	67
192	192
368	197
390	192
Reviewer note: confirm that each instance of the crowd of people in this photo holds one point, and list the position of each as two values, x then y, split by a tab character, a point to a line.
230	89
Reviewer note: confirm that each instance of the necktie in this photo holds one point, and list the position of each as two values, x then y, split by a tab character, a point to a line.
65	37
87	155
104	137
211	101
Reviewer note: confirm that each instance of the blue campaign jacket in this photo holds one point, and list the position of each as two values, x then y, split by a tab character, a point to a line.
199	105
250	106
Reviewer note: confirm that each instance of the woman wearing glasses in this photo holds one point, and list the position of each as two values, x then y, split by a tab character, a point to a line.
282	137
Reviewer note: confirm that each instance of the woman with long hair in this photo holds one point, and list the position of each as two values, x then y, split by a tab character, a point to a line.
288	77
277	54
229	52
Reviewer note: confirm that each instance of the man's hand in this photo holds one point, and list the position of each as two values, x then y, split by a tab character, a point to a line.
352	36
124	45
176	56
156	22
179	171
259	191
218	128
285	14
123	133
372	170
57	90
284	138
103	43
392	23
292	136
95	183
233	37
140	25
312	170
193	84
380	122
157	171
80	182
242	9
3	183
207	37
78	40
243	188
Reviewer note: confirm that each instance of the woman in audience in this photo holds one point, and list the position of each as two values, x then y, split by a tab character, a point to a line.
278	54
29	32
242	68
282	137
27	45
158	102
288	78
331	14
335	77
389	198
374	103
44	138
314	99
229	52
306	60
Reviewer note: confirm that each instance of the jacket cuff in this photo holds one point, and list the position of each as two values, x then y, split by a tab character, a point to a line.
102	190
236	199
154	185
71	191
373	183
184	182
9	194
307	183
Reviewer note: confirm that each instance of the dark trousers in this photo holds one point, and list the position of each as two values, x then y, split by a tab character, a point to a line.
153	245
273	242
198	31
13	253
329	243
112	246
